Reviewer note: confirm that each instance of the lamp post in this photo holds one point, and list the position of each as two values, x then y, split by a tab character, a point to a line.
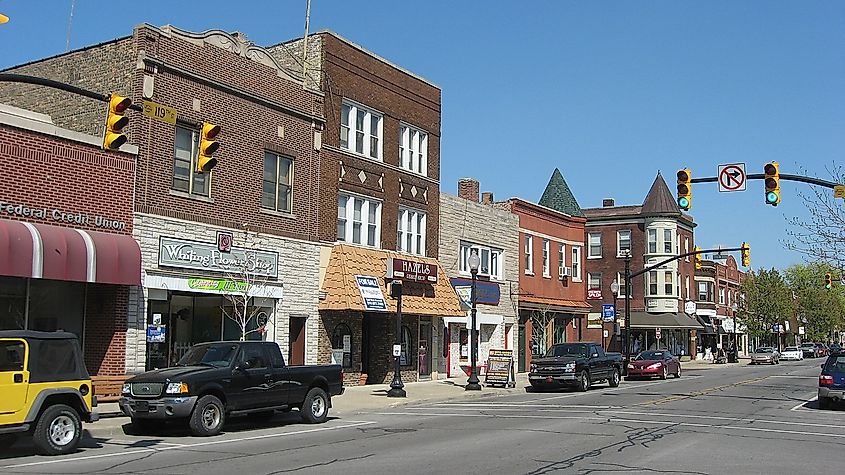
614	288
472	383
627	309
396	386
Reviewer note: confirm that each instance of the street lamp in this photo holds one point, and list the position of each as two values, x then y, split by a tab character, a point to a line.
396	386
627	257
472	383
614	288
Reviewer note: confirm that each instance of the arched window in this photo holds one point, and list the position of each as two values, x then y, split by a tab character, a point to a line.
404	356
342	345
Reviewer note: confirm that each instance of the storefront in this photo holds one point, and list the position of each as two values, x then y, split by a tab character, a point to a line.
664	331
358	314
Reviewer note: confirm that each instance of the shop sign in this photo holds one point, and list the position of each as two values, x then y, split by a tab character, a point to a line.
608	312
221	285
207	256
728	325
413	271
371	294
486	293
594	320
61	216
594	294
500	368
156	333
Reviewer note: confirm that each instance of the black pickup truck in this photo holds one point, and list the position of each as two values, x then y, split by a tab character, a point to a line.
577	365
216	380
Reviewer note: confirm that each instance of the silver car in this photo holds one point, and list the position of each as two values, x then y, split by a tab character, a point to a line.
765	354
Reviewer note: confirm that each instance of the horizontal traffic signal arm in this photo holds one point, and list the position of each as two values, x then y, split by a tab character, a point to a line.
783	176
679	256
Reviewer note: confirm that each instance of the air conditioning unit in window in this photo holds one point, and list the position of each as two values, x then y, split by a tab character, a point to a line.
564	272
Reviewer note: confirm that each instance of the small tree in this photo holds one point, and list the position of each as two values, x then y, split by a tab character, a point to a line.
540	322
820	237
819	310
240	289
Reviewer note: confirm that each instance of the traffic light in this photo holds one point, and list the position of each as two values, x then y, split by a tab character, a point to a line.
772	172
746	254
3	19
685	189
697	258
113	136
205	161
828	280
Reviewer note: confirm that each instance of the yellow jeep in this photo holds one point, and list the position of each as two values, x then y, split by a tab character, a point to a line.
45	390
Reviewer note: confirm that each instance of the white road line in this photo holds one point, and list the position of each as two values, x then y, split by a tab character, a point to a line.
799	406
621	387
177	447
504	404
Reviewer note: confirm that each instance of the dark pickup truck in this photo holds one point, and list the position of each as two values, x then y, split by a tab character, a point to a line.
216	380
576	365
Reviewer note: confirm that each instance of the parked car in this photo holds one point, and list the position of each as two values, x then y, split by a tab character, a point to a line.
765	354
792	353
821	349
809	350
46	391
835	348
660	363
832	381
578	365
216	380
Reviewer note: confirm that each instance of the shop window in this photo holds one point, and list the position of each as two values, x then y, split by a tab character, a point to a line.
464	339
404	356
57	306
12	303
342	345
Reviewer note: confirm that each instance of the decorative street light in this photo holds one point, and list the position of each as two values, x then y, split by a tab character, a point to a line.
614	288
396	386
472	383
627	257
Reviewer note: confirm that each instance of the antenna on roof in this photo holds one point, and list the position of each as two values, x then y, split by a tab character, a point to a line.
69	25
305	44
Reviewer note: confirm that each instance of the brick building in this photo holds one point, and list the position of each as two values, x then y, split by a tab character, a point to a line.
468	226
552	306
253	217
379	204
651	232
67	257
718	283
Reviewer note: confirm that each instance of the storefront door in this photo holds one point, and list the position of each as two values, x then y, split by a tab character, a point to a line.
297	342
424	355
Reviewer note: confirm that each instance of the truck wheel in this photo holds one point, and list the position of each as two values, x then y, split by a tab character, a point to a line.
583	381
208	416
614	379
315	408
57	431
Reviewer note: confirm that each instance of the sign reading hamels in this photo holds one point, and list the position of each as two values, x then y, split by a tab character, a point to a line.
413	271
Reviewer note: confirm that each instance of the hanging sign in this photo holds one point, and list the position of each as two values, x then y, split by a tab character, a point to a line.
156	333
371	293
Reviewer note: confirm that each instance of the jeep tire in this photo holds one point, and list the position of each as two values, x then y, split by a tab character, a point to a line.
57	430
315	408
208	416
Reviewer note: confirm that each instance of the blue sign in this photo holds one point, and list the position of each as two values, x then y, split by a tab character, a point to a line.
485	292
608	312
156	333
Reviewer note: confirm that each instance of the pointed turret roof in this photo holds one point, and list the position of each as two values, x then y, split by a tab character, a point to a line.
659	200
559	197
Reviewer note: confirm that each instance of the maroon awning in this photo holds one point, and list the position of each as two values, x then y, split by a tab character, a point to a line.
52	252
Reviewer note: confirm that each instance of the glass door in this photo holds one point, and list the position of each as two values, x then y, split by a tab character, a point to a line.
424	354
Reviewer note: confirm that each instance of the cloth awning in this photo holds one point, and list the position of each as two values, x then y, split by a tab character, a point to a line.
480	319
664	320
43	251
548	304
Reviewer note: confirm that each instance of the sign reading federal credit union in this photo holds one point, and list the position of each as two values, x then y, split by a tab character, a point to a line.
185	254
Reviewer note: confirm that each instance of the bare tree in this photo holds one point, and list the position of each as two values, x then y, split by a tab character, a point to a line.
820	237
242	285
540	320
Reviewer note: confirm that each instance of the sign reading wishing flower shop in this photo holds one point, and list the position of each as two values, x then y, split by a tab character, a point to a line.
206	256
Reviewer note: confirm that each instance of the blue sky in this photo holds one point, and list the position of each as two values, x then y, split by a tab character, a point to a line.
610	92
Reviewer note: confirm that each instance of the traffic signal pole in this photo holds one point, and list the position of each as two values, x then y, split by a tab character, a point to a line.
783	176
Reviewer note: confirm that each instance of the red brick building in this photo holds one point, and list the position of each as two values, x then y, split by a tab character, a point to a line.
651	232
67	257
552	292
718	291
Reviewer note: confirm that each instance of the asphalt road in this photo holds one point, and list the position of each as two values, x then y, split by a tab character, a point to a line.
738	419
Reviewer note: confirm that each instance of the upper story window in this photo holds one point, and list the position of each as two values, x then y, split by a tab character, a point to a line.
561	259
593	280
668	242
686	248
594	245
623	241
361	130
668	286
413	150
576	263
185	176
620	278
546	270
411	231
491	260
529	254
686	287
704	292
277	183
358	220
722	295
652	283
652	241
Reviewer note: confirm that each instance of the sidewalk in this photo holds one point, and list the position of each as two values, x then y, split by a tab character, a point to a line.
362	398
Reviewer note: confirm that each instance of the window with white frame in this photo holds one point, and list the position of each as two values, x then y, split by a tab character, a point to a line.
576	263
411	231
358	220
722	295
491	260
593	280
704	292
620	278
686	248
668	285
561	259
185	176
593	245
413	149
546	270
623	241
686	287
529	254
652	283
652	241
668	242
277	182
361	130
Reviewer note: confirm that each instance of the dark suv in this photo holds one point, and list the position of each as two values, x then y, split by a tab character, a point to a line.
832	380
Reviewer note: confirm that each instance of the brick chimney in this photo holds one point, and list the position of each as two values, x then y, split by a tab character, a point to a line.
487	197
468	189
608	203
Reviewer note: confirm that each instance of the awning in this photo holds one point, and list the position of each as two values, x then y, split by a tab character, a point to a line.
43	251
663	320
480	319
554	305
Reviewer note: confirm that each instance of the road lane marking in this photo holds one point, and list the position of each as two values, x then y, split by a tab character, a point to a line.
700	392
621	387
504	404
801	405
188	446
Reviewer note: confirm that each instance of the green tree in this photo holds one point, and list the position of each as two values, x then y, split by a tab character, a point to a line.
819	310
766	300
820	234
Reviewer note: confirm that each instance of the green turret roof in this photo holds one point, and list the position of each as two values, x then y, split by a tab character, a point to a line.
559	197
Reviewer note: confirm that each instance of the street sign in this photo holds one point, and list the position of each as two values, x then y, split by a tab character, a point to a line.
397	350
160	112
839	191
608	312
689	307
732	177
657	333
801	330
